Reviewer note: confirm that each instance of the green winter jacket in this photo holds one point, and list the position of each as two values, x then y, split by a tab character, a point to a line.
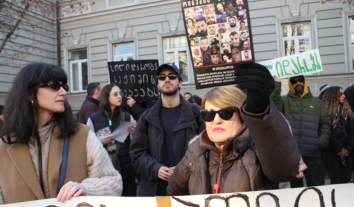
308	117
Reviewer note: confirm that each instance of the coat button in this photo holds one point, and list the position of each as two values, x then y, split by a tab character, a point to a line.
190	163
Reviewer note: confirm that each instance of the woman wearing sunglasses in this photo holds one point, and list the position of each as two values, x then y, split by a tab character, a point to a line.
45	152
246	145
338	152
103	123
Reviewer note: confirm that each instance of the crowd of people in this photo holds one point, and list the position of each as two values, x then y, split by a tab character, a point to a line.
237	138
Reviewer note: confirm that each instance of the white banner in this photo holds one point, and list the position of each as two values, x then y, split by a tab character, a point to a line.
329	195
294	65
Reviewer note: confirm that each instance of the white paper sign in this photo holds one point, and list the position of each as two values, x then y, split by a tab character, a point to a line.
294	65
340	195
121	132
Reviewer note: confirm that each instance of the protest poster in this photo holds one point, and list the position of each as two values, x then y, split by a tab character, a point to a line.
135	78
294	65
219	38
328	195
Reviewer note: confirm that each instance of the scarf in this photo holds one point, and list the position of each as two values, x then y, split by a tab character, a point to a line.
339	118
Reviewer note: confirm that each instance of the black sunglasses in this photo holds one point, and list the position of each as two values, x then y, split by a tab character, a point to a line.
224	113
55	85
170	76
293	80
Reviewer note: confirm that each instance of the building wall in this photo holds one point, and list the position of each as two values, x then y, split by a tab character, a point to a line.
41	37
146	22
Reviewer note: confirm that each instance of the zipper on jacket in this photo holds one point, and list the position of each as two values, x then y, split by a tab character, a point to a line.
217	185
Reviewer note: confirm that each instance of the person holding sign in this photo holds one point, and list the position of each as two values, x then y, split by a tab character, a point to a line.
162	134
45	152
104	123
247	143
310	123
338	152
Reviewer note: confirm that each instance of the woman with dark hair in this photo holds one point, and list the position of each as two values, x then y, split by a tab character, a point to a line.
338	152
104	123
227	58
46	153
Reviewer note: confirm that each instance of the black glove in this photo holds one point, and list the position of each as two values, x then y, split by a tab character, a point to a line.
259	84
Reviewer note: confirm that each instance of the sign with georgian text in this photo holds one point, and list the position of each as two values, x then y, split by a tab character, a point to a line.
328	195
135	78
294	65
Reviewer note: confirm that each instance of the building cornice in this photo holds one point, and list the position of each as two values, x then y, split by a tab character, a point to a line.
124	8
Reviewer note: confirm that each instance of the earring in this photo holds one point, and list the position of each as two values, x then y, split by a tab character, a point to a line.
32	102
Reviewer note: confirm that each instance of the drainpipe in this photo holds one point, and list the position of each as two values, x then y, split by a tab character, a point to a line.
58	35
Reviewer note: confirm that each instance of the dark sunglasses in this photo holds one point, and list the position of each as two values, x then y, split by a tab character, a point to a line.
293	80
224	113
170	76
55	85
341	93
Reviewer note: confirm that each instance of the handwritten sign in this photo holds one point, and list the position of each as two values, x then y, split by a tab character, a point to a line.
219	37
294	65
136	78
328	195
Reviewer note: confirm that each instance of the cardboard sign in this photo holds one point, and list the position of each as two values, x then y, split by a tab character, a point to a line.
135	78
219	37
294	65
328	195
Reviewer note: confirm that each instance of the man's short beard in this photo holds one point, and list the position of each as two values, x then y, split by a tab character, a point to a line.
299	91
203	33
172	93
222	30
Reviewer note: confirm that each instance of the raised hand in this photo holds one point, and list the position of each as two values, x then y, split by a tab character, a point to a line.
259	84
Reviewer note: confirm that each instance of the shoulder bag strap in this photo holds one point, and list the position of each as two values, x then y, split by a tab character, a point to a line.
63	165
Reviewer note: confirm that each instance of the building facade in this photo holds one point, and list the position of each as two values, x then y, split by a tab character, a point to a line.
113	30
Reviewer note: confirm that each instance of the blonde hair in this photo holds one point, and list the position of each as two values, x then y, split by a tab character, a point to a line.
224	96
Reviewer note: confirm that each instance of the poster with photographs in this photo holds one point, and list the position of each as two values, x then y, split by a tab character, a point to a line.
219	37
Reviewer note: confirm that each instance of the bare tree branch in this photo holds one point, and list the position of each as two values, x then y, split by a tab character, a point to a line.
8	35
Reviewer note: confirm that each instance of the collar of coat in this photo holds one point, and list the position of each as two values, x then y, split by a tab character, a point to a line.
236	146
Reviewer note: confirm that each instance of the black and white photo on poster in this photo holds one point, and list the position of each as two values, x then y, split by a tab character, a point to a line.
135	78
219	37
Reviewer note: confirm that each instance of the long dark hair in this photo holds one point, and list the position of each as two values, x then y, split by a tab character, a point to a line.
21	114
104	97
331	100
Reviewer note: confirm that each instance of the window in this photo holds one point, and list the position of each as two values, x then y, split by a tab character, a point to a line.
175	51
78	70
351	28
296	37
123	52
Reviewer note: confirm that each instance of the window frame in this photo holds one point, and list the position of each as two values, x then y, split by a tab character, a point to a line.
297	38
79	62
124	55
348	53
279	32
176	51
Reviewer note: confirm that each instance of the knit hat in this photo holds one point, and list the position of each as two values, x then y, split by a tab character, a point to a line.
324	87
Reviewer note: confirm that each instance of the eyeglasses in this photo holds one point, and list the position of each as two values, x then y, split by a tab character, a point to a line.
293	80
55	85
224	113
341	93
117	94
170	76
